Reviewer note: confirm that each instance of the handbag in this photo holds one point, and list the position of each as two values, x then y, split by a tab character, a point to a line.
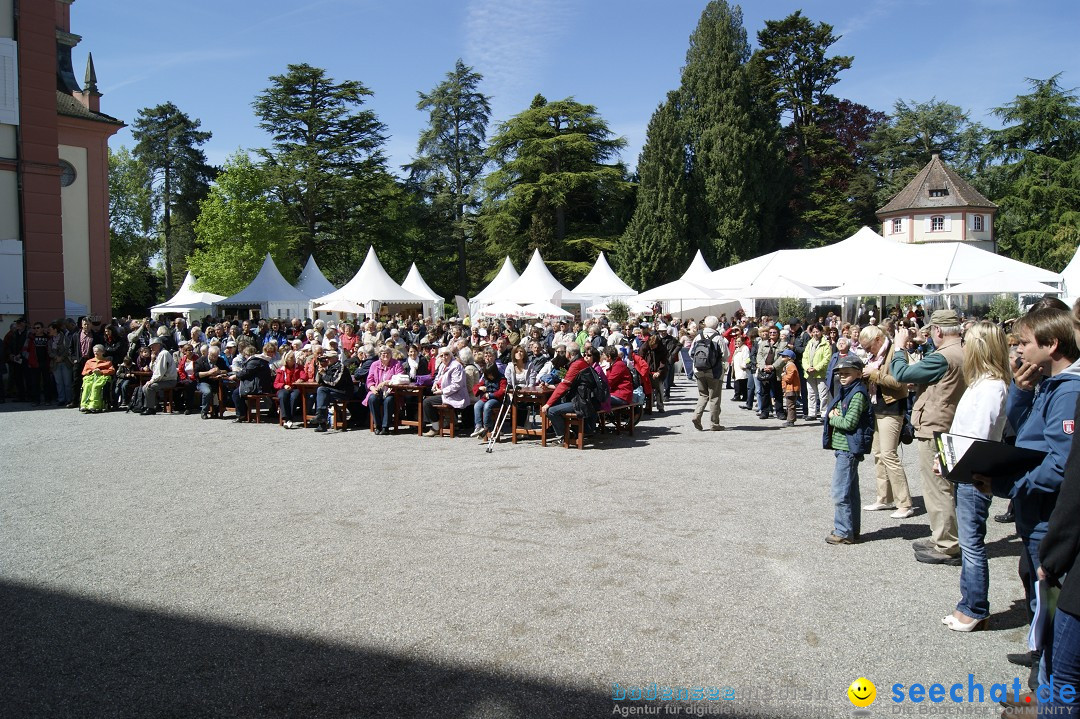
639	395
907	432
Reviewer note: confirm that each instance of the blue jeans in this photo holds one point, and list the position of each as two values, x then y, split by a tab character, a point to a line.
555	416
62	377
753	388
687	363
206	397
1062	660
381	406
845	495
482	413
289	401
972	509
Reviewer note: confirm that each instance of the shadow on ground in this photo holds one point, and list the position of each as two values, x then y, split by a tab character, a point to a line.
67	656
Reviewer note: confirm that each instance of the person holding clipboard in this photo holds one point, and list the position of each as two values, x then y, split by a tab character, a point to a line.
1041	407
980	414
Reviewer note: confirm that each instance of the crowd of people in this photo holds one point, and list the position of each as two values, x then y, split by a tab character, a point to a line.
871	386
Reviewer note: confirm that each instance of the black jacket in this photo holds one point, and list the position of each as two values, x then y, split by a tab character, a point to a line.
1060	548
255	376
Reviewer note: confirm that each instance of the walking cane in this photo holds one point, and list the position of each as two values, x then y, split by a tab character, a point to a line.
504	411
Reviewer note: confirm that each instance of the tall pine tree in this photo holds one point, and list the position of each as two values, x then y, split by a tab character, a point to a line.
167	144
656	245
450	155
733	180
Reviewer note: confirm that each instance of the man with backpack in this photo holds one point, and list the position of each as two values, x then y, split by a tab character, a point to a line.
577	392
708	355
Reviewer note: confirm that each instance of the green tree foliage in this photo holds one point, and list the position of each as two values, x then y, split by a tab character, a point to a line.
167	144
451	158
1039	147
903	145
1003	307
829	193
238	224
132	237
656	245
789	307
325	165
554	187
737	186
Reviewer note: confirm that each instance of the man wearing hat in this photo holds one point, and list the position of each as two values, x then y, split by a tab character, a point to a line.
162	374
940	377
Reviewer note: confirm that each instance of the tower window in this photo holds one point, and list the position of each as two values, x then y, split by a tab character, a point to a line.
977	223
67	174
937	223
939	193
897	226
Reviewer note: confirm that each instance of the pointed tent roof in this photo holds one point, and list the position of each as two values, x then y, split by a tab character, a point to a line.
936	176
414	282
186	297
506	277
536	284
371	283
698	271
268	286
1071	276
312	282
603	282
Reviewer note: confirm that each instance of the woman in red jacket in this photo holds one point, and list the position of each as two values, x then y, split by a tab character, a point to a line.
288	374
618	376
186	380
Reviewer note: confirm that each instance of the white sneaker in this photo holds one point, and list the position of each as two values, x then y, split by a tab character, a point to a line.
903	513
878	506
478	431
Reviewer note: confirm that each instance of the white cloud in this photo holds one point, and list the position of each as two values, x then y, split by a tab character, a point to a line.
509	42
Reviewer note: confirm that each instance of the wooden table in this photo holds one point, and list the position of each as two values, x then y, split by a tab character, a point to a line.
525	397
305	387
401	392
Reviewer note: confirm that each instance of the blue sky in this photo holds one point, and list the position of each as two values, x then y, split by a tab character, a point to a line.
212	58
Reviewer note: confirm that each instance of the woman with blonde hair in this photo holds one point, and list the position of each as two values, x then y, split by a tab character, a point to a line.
889	399
979	414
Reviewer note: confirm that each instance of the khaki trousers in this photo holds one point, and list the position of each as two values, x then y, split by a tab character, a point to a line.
708	389
939	495
892	486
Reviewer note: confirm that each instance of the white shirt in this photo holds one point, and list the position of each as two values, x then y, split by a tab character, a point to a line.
981	410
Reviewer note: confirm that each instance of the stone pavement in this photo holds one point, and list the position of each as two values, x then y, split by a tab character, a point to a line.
171	567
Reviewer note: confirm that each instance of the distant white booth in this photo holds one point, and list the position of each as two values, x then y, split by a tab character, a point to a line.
313	283
374	290
537	284
601	286
1071	278
414	282
269	295
506	276
186	302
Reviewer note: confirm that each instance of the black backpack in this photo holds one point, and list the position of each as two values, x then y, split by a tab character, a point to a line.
705	353
138	400
590	392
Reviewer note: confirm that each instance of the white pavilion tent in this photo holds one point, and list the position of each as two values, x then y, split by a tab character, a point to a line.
187	301
602	284
506	276
372	287
269	294
698	271
1071	276
414	282
537	284
312	282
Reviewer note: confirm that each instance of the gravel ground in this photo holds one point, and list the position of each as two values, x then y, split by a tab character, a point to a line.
171	567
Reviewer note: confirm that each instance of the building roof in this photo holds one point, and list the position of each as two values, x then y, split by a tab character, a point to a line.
936	176
70	107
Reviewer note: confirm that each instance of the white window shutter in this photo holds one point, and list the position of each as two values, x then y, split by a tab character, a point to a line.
9	82
928	224
948	223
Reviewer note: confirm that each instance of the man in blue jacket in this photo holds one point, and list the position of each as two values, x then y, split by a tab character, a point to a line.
1041	408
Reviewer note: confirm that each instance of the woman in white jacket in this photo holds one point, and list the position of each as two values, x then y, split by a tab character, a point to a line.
979	414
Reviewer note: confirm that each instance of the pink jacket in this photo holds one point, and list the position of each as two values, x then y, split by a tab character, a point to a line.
378	373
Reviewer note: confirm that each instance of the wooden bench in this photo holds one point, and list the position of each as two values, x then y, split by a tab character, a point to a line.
575	424
447	419
257	399
341	410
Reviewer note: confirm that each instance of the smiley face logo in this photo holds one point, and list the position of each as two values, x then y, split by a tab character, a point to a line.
862	692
